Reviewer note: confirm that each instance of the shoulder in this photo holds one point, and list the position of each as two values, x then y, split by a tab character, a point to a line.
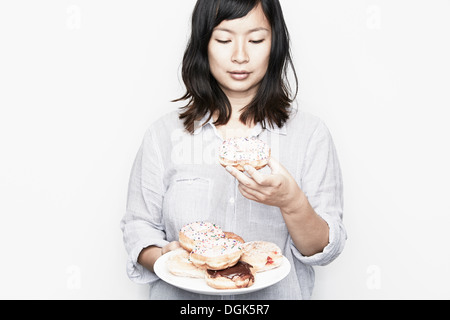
162	130
305	123
165	124
169	120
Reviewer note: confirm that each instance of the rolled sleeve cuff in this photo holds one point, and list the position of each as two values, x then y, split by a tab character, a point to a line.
337	238
136	272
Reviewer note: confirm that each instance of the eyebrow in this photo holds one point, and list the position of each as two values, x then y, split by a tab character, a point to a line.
250	31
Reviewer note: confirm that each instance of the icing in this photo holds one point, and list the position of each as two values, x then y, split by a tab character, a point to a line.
216	247
244	149
199	231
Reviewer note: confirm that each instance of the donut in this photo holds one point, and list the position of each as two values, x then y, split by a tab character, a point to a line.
238	152
262	255
195	232
234	236
180	265
216	254
239	276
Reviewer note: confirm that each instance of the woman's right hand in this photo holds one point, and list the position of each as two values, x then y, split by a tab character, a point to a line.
148	256
170	247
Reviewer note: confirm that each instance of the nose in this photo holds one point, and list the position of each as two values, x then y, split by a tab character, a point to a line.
240	54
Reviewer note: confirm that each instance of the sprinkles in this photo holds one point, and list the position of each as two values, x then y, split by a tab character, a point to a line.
202	231
209	239
216	247
244	149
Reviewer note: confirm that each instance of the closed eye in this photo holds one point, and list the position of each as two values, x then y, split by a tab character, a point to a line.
257	41
223	41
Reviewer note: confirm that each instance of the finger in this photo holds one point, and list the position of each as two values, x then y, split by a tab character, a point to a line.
274	165
263	180
277	167
241	177
255	174
170	247
248	193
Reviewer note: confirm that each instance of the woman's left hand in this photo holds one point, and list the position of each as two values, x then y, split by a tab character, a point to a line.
277	189
309	232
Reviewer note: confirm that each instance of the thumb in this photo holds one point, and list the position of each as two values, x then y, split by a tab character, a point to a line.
277	167
170	247
274	165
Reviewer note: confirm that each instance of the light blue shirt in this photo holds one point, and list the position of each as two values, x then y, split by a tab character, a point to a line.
176	179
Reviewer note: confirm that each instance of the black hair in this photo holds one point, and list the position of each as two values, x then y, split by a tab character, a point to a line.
272	102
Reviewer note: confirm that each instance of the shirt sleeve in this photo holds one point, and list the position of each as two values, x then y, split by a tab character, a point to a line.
322	184
142	223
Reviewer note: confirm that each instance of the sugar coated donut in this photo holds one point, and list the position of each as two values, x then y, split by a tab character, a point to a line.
195	232
239	276
234	236
262	255
223	259
180	265
238	152
216	254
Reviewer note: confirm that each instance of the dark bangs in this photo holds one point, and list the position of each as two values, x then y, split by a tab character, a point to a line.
234	9
204	95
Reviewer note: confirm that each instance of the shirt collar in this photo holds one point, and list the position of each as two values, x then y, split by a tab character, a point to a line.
199	125
256	130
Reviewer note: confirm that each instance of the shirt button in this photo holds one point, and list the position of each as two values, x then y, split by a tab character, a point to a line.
232	201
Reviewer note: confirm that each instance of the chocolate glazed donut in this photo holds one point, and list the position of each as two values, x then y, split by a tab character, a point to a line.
236	277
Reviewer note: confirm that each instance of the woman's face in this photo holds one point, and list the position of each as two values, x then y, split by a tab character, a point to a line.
239	52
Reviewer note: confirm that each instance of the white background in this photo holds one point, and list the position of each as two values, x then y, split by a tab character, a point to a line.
81	81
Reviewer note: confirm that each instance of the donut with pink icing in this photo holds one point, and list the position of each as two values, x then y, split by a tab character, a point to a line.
198	232
208	246
216	254
239	152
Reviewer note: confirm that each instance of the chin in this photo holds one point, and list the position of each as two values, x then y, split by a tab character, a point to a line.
240	89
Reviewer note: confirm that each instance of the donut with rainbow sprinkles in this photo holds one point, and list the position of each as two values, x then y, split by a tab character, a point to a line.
239	152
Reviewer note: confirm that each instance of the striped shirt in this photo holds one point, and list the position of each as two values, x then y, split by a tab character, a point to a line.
176	179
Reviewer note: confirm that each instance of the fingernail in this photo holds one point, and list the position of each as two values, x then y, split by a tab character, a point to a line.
246	167
229	169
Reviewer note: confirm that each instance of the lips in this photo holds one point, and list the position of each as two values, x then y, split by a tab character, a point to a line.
240	75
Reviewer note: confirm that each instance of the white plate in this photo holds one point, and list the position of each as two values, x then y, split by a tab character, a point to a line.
262	279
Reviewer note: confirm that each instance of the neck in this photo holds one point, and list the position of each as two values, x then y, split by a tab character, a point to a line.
240	100
237	104
235	128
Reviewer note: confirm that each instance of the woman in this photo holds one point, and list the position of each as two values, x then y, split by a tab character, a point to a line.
235	72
